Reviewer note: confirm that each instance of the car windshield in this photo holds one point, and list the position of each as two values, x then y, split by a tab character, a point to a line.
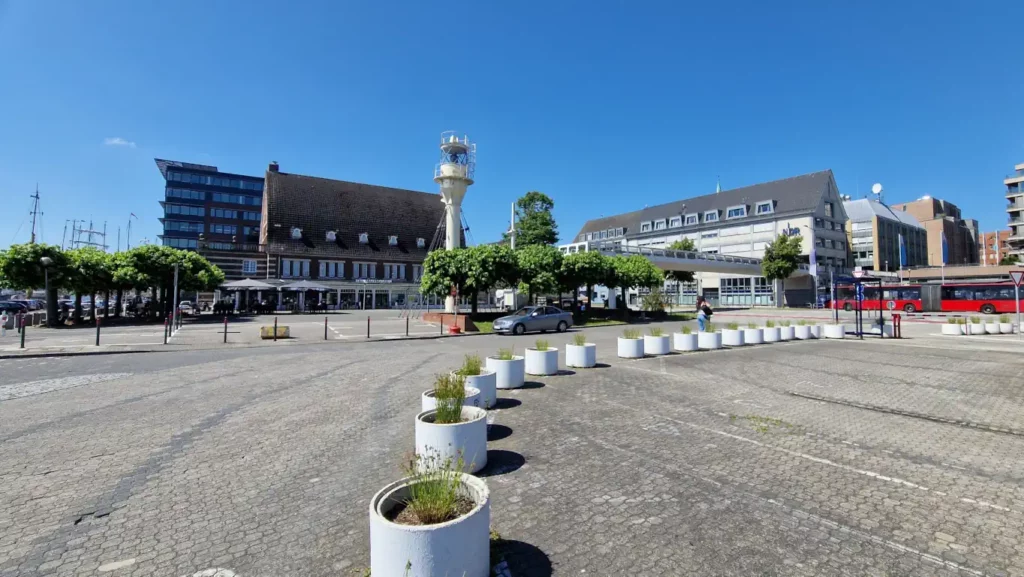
525	311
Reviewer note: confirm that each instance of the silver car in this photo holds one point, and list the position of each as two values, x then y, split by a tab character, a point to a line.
534	318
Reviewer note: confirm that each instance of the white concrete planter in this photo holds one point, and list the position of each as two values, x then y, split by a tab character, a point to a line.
656	345
508	374
581	356
429	403
753	336
835	331
732	337
684	342
771	334
976	329
786	333
951	329
457	547
541	362
485	382
1006	328
992	328
802	332
815	331
631	348
709	341
467	439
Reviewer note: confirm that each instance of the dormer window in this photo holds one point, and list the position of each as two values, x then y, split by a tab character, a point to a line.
364	238
421	243
660	224
691	219
675	221
645	227
393	240
296	233
711	216
332	235
765	207
736	211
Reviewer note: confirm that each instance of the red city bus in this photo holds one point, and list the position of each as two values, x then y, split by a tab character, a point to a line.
987	298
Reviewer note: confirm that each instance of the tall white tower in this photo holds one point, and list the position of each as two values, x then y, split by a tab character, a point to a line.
454	173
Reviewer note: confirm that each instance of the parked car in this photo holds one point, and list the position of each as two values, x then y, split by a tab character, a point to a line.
186	308
13	307
534	318
32	304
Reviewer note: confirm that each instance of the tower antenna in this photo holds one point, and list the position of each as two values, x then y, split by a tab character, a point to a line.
35	213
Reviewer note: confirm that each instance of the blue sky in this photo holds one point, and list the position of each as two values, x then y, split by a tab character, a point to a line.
605	106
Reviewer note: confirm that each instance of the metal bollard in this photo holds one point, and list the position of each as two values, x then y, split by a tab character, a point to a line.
166	328
22	331
275	329
98	331
442	325
406	326
367	327
225	329
325	328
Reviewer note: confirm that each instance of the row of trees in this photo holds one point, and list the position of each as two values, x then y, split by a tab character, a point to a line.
534	269
90	271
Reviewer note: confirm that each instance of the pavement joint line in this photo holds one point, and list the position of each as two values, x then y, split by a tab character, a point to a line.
819	460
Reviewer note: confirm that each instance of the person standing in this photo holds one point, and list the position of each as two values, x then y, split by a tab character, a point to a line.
704	313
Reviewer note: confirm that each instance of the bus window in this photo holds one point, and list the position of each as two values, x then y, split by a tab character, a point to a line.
911	294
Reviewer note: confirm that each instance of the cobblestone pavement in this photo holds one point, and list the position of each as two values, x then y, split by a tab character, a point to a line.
806	458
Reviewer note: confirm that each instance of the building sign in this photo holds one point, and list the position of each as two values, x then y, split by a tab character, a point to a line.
374	280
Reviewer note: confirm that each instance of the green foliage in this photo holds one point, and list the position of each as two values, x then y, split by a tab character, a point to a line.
583	269
801	322
785	323
781	257
1004	318
541	345
769	324
434	488
680	275
636	271
444	269
961	321
951	321
751	325
535	224
579	339
449	393
1009	260
471	366
732	326
653	301
90	270
491	265
656	332
20	266
975	320
505	354
687	330
631	334
539	268
709	327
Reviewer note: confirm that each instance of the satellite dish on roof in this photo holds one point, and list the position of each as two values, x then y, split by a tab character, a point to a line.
876	188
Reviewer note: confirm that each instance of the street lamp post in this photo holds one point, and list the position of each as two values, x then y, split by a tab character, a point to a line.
51	304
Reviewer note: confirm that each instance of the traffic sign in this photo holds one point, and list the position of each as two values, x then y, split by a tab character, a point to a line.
891	305
858	273
1017	276
860	293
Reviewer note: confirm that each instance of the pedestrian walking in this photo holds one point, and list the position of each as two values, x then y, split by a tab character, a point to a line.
3	324
704	313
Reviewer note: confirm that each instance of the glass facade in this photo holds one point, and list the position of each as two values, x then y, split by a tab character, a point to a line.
745	291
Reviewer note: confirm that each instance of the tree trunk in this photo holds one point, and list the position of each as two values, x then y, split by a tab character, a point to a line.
473	305
51	307
590	300
106	303
92	307
575	301
77	315
117	302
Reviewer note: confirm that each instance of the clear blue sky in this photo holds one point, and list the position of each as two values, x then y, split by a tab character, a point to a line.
605	106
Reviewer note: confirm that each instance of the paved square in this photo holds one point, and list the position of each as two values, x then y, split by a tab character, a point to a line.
805	458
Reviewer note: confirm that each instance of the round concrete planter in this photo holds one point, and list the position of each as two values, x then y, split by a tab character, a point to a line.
815	331
709	341
1005	328
771	334
485	383
951	329
835	331
631	348
976	329
656	345
467	439
581	356
802	332
684	342
753	336
541	362
457	547
508	374
732	337
992	328
429	403
786	333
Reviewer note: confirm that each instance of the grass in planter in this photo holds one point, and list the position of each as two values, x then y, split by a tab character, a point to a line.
751	325
709	327
975	320
785	323
471	366
954	321
434	495
579	339
631	334
656	332
961	321
732	326
541	344
769	324
802	323
687	330
449	393
504	354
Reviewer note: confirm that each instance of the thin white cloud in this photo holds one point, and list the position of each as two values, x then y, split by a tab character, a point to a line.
118	141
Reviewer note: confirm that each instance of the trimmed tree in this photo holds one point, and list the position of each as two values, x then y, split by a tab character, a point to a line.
781	259
490	265
583	269
446	269
1009	260
90	272
539	268
536	224
21	268
635	271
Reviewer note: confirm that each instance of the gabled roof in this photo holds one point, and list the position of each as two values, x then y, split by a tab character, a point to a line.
863	209
317	205
795	195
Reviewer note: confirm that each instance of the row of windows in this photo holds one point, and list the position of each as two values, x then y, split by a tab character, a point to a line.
979	293
601	235
185	193
831	224
214	181
182	226
184	209
223	213
181	242
250	215
291	267
223	229
829	243
739	211
237	198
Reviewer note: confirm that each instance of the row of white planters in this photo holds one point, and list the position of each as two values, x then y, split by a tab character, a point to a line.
651	345
978	329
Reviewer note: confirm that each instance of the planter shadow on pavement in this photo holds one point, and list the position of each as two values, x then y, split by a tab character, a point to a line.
564	373
532	385
498	432
501	462
506	403
520	559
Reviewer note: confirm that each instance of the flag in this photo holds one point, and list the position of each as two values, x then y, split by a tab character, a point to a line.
945	249
903	253
813	258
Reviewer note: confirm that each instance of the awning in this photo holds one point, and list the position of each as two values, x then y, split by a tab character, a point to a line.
305	285
247	284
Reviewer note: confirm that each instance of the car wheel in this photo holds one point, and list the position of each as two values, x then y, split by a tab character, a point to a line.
562	325
518	329
909	307
847	307
988	309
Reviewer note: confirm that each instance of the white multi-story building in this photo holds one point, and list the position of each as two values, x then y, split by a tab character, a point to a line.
1015	207
741	222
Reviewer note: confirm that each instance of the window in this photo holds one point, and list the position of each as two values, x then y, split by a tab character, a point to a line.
611	232
185	194
223	229
364	238
364	270
184	209
291	267
220	246
818	242
709	235
828	209
660	224
675	221
181	242
332	269
645	227
840	245
711	216
417	272
421	243
394	271
182	226
392	240
603	234
736	212
819	223
691	219
251	215
619	232
223	213
766	207
248	266
296	233
236	199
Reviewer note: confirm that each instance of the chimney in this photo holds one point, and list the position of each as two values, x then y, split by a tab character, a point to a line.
273	166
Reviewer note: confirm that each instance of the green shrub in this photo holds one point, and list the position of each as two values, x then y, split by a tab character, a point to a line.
449	393
579	339
1004	318
952	320
769	324
785	323
687	330
961	321
709	327
751	325
434	490
975	320
631	334
471	366
504	354
732	326
655	332
802	322
541	345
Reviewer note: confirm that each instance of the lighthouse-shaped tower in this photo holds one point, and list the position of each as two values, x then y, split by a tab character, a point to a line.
454	174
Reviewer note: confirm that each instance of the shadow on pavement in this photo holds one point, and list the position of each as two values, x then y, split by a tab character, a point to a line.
498	432
501	462
520	558
532	385
506	403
